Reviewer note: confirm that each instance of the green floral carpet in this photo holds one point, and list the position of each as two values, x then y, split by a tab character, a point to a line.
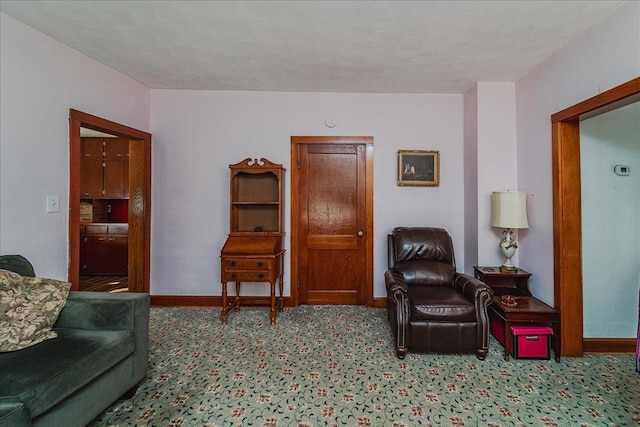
335	366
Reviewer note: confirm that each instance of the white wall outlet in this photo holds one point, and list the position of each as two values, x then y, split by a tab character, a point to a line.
53	204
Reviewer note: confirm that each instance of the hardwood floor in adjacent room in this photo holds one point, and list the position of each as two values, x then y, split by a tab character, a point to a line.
104	283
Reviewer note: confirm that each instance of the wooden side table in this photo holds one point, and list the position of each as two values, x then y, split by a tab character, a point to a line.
527	310
504	283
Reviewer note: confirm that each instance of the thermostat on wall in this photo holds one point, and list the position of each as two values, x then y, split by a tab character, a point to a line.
622	170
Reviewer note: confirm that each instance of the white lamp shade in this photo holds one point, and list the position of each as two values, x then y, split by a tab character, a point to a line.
509	209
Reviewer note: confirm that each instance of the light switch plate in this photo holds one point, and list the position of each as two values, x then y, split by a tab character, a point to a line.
53	204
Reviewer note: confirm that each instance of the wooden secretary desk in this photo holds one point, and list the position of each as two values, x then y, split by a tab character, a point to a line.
253	251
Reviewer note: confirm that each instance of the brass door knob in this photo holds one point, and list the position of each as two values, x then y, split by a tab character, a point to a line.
360	233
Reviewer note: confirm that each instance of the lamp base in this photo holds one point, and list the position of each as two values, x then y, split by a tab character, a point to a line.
508	269
508	245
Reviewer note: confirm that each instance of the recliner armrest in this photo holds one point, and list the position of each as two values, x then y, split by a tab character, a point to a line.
395	282
472	288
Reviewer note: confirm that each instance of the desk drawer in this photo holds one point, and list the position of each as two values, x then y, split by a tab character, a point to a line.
247	263
246	276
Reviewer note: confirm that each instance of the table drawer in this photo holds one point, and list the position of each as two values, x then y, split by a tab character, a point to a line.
246	276
96	229
118	228
247	263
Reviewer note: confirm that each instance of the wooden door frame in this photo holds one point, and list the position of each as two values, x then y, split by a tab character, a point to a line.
140	260
367	141
567	210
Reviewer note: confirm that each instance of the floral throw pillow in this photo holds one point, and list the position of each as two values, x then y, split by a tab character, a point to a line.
29	306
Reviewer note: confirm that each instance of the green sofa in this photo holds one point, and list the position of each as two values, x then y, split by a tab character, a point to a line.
100	354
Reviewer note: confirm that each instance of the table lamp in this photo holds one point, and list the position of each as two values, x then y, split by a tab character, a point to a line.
509	211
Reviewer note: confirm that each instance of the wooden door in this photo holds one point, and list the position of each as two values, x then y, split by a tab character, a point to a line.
332	220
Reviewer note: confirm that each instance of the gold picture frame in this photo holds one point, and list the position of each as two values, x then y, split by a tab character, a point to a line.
419	168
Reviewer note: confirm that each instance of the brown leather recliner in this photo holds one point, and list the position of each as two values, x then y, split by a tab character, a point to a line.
430	306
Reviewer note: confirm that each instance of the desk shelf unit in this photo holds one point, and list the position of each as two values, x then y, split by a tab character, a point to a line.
254	249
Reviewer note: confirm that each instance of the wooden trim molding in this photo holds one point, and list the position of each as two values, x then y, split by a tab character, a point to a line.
609	345
210	301
567	211
615	95
140	245
379	302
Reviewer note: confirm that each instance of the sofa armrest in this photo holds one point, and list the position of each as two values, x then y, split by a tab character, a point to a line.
17	264
103	311
14	414
107	311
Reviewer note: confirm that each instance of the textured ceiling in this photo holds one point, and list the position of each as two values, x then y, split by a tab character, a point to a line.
327	46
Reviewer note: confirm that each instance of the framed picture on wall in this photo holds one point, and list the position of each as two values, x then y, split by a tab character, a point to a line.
419	168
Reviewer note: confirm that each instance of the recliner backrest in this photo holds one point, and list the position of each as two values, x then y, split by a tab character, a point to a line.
423	255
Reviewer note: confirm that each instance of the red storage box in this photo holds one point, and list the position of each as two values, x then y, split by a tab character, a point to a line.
497	330
531	341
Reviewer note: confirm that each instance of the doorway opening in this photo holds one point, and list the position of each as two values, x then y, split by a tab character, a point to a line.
122	245
567	214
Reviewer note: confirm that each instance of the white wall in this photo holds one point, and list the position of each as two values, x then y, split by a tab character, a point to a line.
490	165
610	223
40	80
603	58
470	178
497	162
197	134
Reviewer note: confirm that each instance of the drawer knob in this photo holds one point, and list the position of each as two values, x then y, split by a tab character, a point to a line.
234	275
261	276
260	264
232	263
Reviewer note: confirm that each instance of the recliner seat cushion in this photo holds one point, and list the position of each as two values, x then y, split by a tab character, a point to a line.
440	303
42	375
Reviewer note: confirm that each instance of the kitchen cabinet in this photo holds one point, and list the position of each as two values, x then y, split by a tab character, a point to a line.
104	167
104	249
